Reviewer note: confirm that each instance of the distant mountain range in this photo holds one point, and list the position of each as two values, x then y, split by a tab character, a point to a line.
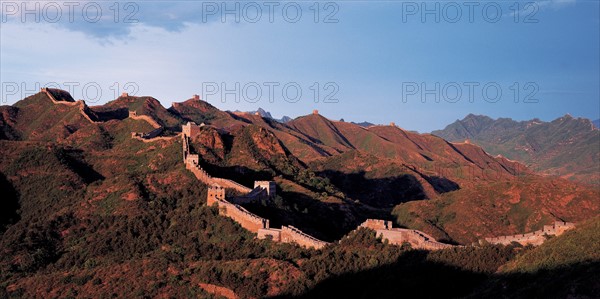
262	112
566	146
596	123
364	124
286	118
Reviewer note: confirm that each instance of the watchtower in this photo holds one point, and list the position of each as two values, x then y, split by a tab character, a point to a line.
190	129
269	186
215	193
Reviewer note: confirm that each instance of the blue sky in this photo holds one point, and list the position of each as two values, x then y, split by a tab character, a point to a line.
378	59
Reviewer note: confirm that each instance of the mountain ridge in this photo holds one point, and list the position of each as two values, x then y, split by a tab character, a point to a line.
92	210
565	146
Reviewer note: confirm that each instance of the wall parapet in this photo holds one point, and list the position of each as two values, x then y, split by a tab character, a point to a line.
240	215
290	234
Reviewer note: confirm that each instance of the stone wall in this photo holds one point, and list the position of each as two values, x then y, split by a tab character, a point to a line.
417	239
290	234
287	234
49	94
215	193
83	108
398	236
269	186
533	238
240	215
200	174
190	129
154	139
152	135
192	162
231	185
146	118
376	224
274	234
259	225
256	194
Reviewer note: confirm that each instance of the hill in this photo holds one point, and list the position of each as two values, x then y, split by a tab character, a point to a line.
566	147
89	211
502	208
541	272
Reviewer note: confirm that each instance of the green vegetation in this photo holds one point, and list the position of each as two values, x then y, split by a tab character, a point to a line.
92	212
562	267
578	246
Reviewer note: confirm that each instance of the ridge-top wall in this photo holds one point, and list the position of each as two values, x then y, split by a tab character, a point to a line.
534	238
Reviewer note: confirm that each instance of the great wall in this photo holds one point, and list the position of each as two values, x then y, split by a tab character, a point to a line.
398	236
83	108
84	111
266	189
288	234
534	238
262	189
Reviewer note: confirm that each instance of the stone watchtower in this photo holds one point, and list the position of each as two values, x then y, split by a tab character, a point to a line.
215	193
269	186
190	129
